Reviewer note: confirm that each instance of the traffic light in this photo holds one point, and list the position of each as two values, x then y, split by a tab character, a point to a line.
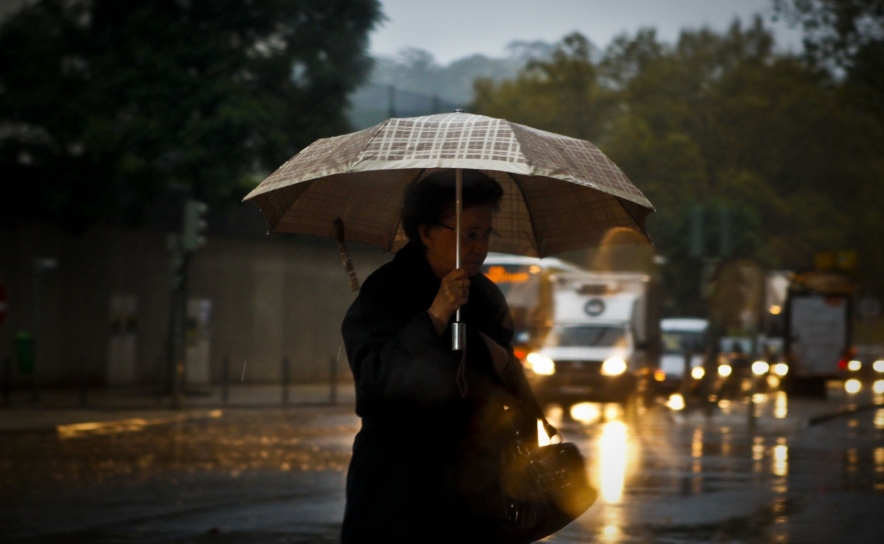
193	234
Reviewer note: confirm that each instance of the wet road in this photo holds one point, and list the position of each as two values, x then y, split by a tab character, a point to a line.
278	476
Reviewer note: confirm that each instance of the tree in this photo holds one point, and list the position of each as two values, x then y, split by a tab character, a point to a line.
560	95
836	31
105	103
846	37
719	121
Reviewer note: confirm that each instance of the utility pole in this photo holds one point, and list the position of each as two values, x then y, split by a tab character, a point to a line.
182	246
391	101
41	266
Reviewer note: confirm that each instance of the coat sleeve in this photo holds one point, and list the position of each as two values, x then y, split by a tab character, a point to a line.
397	360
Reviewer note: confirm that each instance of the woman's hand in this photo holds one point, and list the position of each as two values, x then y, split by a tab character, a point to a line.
453	293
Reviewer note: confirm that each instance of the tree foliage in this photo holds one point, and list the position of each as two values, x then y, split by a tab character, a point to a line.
836	31
103	103
719	121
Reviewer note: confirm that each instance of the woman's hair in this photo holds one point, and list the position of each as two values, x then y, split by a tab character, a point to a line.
428	200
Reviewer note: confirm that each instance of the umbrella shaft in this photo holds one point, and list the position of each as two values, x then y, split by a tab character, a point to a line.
458	209
458	330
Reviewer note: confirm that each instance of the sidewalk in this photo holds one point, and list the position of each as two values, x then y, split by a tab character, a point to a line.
142	406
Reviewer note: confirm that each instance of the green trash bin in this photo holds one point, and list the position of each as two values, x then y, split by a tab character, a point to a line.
24	350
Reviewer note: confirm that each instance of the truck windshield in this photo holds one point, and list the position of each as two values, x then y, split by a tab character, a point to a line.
676	342
588	336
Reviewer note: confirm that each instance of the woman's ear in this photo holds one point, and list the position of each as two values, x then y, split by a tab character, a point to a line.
426	232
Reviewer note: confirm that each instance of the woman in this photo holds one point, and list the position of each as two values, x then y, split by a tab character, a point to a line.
435	423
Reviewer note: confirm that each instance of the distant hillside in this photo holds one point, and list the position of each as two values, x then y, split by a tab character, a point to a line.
413	84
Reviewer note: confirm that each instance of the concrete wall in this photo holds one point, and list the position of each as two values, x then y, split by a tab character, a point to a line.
272	296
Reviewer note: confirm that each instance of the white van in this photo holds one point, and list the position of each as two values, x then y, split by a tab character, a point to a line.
590	351
681	335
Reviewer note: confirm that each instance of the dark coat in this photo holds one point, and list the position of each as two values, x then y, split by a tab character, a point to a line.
425	463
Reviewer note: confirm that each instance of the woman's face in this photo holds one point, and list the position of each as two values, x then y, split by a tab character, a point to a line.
441	241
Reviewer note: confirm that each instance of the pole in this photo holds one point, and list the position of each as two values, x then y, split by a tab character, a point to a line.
710	363
751	415
178	313
177	348
83	380
686	375
285	380
391	101
161	379
333	378
458	329
7	380
35	393
225	379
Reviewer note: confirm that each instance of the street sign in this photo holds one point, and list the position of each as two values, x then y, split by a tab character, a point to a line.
3	304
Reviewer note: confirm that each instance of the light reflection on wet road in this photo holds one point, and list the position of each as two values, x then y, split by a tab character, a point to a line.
278	476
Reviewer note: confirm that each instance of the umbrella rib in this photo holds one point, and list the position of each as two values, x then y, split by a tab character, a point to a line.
380	127
399	221
630	208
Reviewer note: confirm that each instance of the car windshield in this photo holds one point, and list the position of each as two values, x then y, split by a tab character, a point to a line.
588	336
675	342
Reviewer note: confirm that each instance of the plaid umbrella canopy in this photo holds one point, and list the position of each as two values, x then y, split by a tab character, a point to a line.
560	193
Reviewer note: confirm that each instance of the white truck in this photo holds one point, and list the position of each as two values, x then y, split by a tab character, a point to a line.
582	336
817	341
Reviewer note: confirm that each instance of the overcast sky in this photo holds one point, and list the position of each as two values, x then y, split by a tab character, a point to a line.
453	29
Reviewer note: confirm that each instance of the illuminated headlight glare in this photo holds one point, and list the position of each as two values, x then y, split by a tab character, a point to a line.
878	365
853	386
613	367
541	364
854	365
675	402
724	370
760	368
878	387
698	372
781	369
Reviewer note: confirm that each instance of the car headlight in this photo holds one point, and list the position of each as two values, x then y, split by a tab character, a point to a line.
854	365
541	364
725	370
878	365
781	369
613	367
760	368
698	372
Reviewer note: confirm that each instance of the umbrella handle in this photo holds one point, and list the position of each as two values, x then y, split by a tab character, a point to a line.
458	329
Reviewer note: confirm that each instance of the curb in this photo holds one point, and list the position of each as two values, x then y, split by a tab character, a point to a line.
74	430
842	413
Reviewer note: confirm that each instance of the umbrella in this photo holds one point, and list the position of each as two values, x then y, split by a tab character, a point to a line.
560	193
